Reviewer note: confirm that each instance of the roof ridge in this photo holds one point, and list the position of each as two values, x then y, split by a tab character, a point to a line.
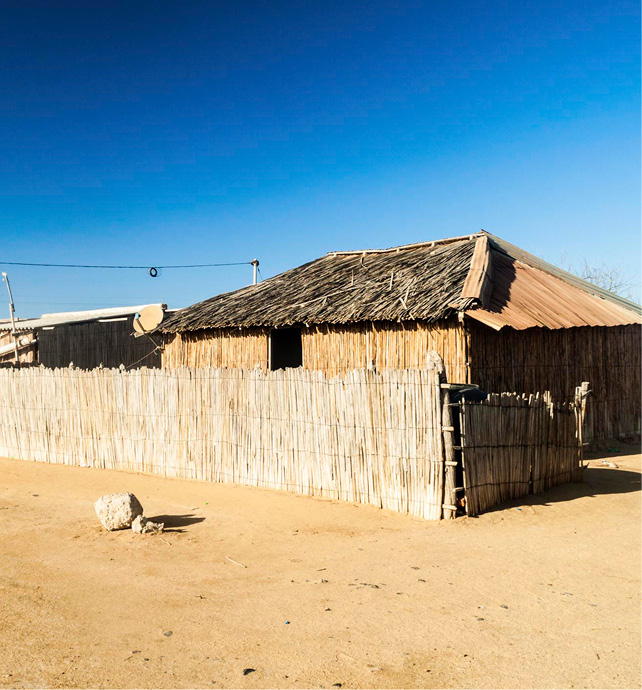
414	245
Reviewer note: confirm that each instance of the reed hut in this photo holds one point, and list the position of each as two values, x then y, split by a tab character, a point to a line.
86	339
498	316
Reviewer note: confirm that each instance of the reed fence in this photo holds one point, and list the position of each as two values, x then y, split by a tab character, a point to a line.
539	359
366	437
513	445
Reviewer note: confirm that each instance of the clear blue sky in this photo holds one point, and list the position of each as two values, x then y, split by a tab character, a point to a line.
191	132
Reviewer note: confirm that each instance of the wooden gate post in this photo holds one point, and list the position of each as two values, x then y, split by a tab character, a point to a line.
450	480
449	509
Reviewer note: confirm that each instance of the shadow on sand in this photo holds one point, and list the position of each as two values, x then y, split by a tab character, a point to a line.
596	480
173	523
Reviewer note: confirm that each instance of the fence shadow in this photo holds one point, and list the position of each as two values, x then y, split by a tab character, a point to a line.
595	481
173	523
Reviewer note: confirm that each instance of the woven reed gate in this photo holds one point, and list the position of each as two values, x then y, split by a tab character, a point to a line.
513	445
367	437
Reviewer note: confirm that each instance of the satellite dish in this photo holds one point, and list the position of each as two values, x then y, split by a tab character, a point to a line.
149	318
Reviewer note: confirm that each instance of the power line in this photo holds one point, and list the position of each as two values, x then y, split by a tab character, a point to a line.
24	263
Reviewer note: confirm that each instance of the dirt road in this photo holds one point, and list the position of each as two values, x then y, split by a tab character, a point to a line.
542	593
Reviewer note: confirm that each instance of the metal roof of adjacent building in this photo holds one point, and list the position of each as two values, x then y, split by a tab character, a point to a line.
71	317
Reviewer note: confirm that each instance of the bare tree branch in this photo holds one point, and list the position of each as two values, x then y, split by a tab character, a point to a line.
608	277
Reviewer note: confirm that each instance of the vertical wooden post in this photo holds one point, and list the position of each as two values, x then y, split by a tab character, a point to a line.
449	508
470	498
581	398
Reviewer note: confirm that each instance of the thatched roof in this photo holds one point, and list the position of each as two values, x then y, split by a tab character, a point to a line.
343	287
428	281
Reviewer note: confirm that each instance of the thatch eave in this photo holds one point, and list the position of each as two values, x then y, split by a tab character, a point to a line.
409	318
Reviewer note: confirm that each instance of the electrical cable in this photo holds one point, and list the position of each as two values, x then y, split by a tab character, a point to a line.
24	263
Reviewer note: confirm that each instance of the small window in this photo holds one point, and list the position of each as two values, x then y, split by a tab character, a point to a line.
285	348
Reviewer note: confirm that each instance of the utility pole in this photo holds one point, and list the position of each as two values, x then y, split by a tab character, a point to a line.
255	263
12	311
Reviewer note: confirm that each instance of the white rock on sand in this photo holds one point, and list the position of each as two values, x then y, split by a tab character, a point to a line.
141	525
118	511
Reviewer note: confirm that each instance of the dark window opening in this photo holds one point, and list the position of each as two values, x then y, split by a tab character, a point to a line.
285	348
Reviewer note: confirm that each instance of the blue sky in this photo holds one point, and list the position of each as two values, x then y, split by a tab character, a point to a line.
203	132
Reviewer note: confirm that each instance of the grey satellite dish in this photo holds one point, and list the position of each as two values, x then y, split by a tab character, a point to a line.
149	318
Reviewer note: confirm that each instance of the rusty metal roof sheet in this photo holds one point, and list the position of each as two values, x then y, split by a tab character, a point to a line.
524	296
536	262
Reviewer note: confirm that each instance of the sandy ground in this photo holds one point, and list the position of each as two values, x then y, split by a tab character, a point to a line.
540	593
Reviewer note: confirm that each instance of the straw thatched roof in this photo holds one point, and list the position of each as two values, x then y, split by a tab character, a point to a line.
343	287
477	275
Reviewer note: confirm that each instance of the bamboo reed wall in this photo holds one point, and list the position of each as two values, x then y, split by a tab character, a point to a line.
217	347
387	345
368	437
513	445
557	360
95	343
335	350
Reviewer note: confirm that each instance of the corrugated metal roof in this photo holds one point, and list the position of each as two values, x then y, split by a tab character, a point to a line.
68	317
526	297
479	285
536	262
